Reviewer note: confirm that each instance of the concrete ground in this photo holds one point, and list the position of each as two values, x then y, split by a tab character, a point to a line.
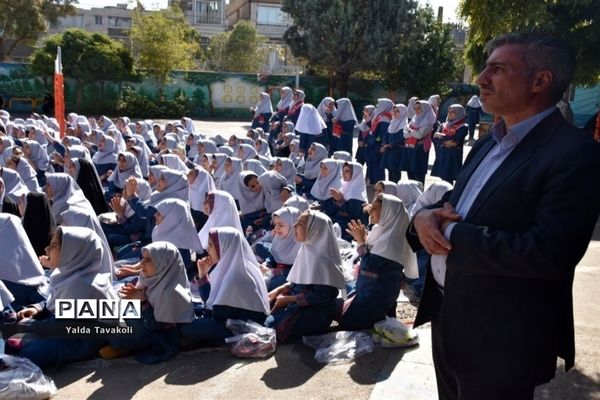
292	373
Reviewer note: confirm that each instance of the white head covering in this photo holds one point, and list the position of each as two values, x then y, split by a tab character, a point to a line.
345	111
284	250
409	191
432	195
474	102
355	188
309	121
14	187
107	155
318	261
230	183
220	170
177	226
297	202
389	187
155	170
435	100
363	125
132	168
264	148
320	189
18	261
81	268
288	170
189	125
177	187
264	104
248	150
168	290
286	100
341	155
321	108
383	105
388	237
398	123
39	155
203	184
223	213
66	194
255	166
236	280
410	108
174	162
227	150
427	116
26	172
271	183
147	133
313	164
460	114
249	201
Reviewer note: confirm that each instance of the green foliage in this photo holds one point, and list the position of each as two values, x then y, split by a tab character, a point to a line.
143	105
577	21
425	62
239	50
162	42
25	21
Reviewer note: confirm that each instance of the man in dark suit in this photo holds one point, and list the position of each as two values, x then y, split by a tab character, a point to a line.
506	240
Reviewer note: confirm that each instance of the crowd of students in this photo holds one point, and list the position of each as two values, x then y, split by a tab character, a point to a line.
203	229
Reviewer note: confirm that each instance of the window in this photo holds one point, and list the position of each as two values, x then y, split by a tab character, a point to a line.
98	19
271	16
208	12
119	22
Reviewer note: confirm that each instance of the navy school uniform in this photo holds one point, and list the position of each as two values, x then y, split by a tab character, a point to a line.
311	314
361	156
262	121
375	172
393	158
448	160
343	141
375	294
346	211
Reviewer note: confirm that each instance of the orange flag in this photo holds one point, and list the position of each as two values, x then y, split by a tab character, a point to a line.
59	93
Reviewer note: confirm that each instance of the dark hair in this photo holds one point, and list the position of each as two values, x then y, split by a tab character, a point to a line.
248	177
542	52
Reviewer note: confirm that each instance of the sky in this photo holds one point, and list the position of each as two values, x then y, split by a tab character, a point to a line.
449	5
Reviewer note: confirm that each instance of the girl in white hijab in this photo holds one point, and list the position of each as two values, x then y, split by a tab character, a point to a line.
105	158
286	167
417	136
312	168
255	166
20	268
449	144
385	257
409	191
272	182
127	165
286	99
234	288
364	127
431	195
306	305
172	184
246	152
173	161
309	126
23	168
218	167
349	199
221	210
392	144
201	182
330	177
382	116
230	180
79	260
251	198
343	127
284	247
14	188
164	285
262	147
262	112
64	192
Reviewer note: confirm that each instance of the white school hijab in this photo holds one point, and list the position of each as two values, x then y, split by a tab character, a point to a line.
284	250
168	290
309	121
236	280
286	99
132	168
66	194
18	261
288	170
249	201
223	213
298	202
177	187
108	153
177	226
81	268
318	261
203	184
264	105
322	107
230	183
409	191
14	187
342	156
320	189
474	102
271	183
6	296
355	188
313	164
387	238
431	195
398	122
174	162
345	110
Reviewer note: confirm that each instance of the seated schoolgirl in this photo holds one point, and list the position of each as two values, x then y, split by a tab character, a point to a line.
271	183
127	165
284	247
38	159
164	290
387	187
84	173
329	180
65	193
201	182
306	304
78	258
20	268
231	285
409	191
305	180
349	200
385	257
221	210
38	221
252	201
230	180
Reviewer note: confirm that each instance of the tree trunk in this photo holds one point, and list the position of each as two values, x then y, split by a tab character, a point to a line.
342	83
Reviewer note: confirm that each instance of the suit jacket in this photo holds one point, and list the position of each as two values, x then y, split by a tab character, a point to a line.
507	309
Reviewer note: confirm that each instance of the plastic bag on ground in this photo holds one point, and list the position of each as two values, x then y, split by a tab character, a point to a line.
250	339
22	379
391	332
338	347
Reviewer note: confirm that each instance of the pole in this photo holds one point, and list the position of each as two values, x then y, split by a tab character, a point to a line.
59	93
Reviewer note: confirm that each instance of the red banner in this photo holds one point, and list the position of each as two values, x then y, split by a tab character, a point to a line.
59	102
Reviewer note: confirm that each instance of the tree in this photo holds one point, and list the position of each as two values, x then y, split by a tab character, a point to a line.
86	57
162	42
240	50
25	21
577	21
425	61
348	36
